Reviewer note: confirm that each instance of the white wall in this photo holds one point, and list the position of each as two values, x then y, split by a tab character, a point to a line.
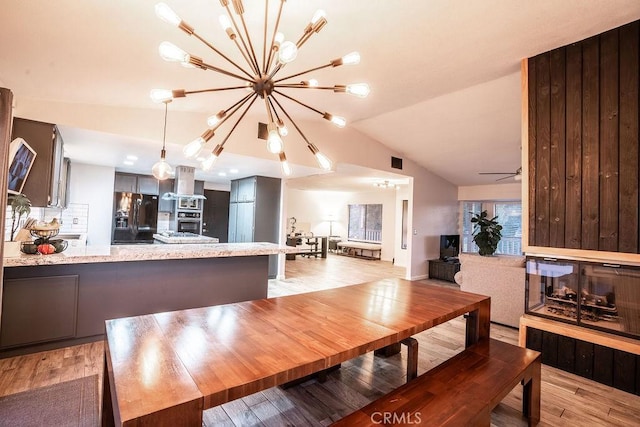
511	191
93	185
315	207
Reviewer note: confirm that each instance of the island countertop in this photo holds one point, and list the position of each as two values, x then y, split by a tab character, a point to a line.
120	253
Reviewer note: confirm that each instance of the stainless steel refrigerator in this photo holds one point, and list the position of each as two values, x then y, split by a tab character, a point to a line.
135	219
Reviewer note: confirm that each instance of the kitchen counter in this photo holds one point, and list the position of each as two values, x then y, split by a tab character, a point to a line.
184	238
53	301
124	253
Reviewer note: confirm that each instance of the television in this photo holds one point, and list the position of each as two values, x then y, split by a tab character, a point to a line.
449	246
21	158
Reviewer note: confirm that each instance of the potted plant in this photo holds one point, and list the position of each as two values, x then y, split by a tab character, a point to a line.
486	233
20	205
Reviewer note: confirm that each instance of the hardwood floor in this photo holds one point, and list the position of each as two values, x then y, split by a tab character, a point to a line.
567	400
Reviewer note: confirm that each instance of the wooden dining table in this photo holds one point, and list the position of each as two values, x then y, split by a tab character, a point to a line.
166	368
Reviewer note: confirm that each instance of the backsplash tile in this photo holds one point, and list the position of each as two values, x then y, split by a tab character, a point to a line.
73	220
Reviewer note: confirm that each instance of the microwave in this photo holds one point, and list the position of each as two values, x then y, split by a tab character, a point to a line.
189	203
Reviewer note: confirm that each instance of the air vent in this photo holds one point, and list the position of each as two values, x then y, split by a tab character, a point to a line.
396	162
262	131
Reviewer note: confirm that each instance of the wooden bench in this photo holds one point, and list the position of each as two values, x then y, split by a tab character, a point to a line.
462	391
356	249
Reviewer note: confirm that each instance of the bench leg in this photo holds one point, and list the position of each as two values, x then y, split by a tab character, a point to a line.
412	358
531	395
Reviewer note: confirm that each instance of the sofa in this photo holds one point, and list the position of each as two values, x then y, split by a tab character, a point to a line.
502	278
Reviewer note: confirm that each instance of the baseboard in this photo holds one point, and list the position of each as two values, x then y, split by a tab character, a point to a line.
420	277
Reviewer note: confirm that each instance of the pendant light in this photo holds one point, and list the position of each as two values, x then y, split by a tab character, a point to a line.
162	170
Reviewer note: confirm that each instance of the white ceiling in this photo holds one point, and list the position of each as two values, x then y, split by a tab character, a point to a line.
444	74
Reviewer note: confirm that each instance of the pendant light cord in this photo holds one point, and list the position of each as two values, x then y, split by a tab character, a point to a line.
164	131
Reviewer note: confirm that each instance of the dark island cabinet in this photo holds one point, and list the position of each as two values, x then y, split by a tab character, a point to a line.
53	306
40	309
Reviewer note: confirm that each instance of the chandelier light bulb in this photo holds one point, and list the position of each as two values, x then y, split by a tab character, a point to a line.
323	161
288	52
352	58
225	22
274	142
208	163
311	83
283	130
192	149
172	53
161	170
164	12
336	120
360	90
318	16
279	38
161	95
214	120
286	169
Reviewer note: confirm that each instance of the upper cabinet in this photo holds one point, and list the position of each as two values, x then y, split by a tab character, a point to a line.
46	184
198	188
132	183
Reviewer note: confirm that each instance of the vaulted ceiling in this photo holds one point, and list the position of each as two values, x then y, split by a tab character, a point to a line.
444	74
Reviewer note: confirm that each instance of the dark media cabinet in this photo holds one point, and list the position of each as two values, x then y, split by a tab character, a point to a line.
443	270
447	265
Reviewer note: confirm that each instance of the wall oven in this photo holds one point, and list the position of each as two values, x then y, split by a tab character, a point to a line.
190	222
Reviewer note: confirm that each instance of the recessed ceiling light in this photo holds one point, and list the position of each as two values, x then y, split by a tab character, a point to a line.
233	170
128	162
222	174
132	157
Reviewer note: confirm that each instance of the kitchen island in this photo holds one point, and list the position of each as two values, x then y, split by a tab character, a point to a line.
52	301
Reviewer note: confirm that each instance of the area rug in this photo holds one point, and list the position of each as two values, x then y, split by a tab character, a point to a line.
71	403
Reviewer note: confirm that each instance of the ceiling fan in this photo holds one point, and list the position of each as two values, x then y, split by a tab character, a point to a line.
517	175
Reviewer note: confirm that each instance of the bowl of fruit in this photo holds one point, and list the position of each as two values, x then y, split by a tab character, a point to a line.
43	243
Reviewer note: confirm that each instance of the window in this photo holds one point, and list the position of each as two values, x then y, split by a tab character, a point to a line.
468	210
365	223
509	216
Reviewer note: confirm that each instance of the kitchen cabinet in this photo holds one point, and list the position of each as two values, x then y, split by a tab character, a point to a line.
132	183
46	184
215	215
46	306
38	309
255	214
198	187
234	191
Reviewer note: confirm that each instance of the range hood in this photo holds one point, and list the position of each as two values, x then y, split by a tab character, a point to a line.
184	185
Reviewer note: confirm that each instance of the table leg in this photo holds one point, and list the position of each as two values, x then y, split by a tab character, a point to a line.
531	395
388	350
107	405
478	323
412	358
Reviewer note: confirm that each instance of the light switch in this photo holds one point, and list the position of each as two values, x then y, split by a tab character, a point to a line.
415	232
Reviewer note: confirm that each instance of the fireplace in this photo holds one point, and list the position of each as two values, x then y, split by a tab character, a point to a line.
599	296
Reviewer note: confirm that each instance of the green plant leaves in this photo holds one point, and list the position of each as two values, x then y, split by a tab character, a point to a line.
486	233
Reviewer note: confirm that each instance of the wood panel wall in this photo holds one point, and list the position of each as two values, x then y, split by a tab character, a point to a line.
583	137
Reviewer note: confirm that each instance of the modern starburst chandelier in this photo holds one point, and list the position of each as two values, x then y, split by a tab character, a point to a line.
259	76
